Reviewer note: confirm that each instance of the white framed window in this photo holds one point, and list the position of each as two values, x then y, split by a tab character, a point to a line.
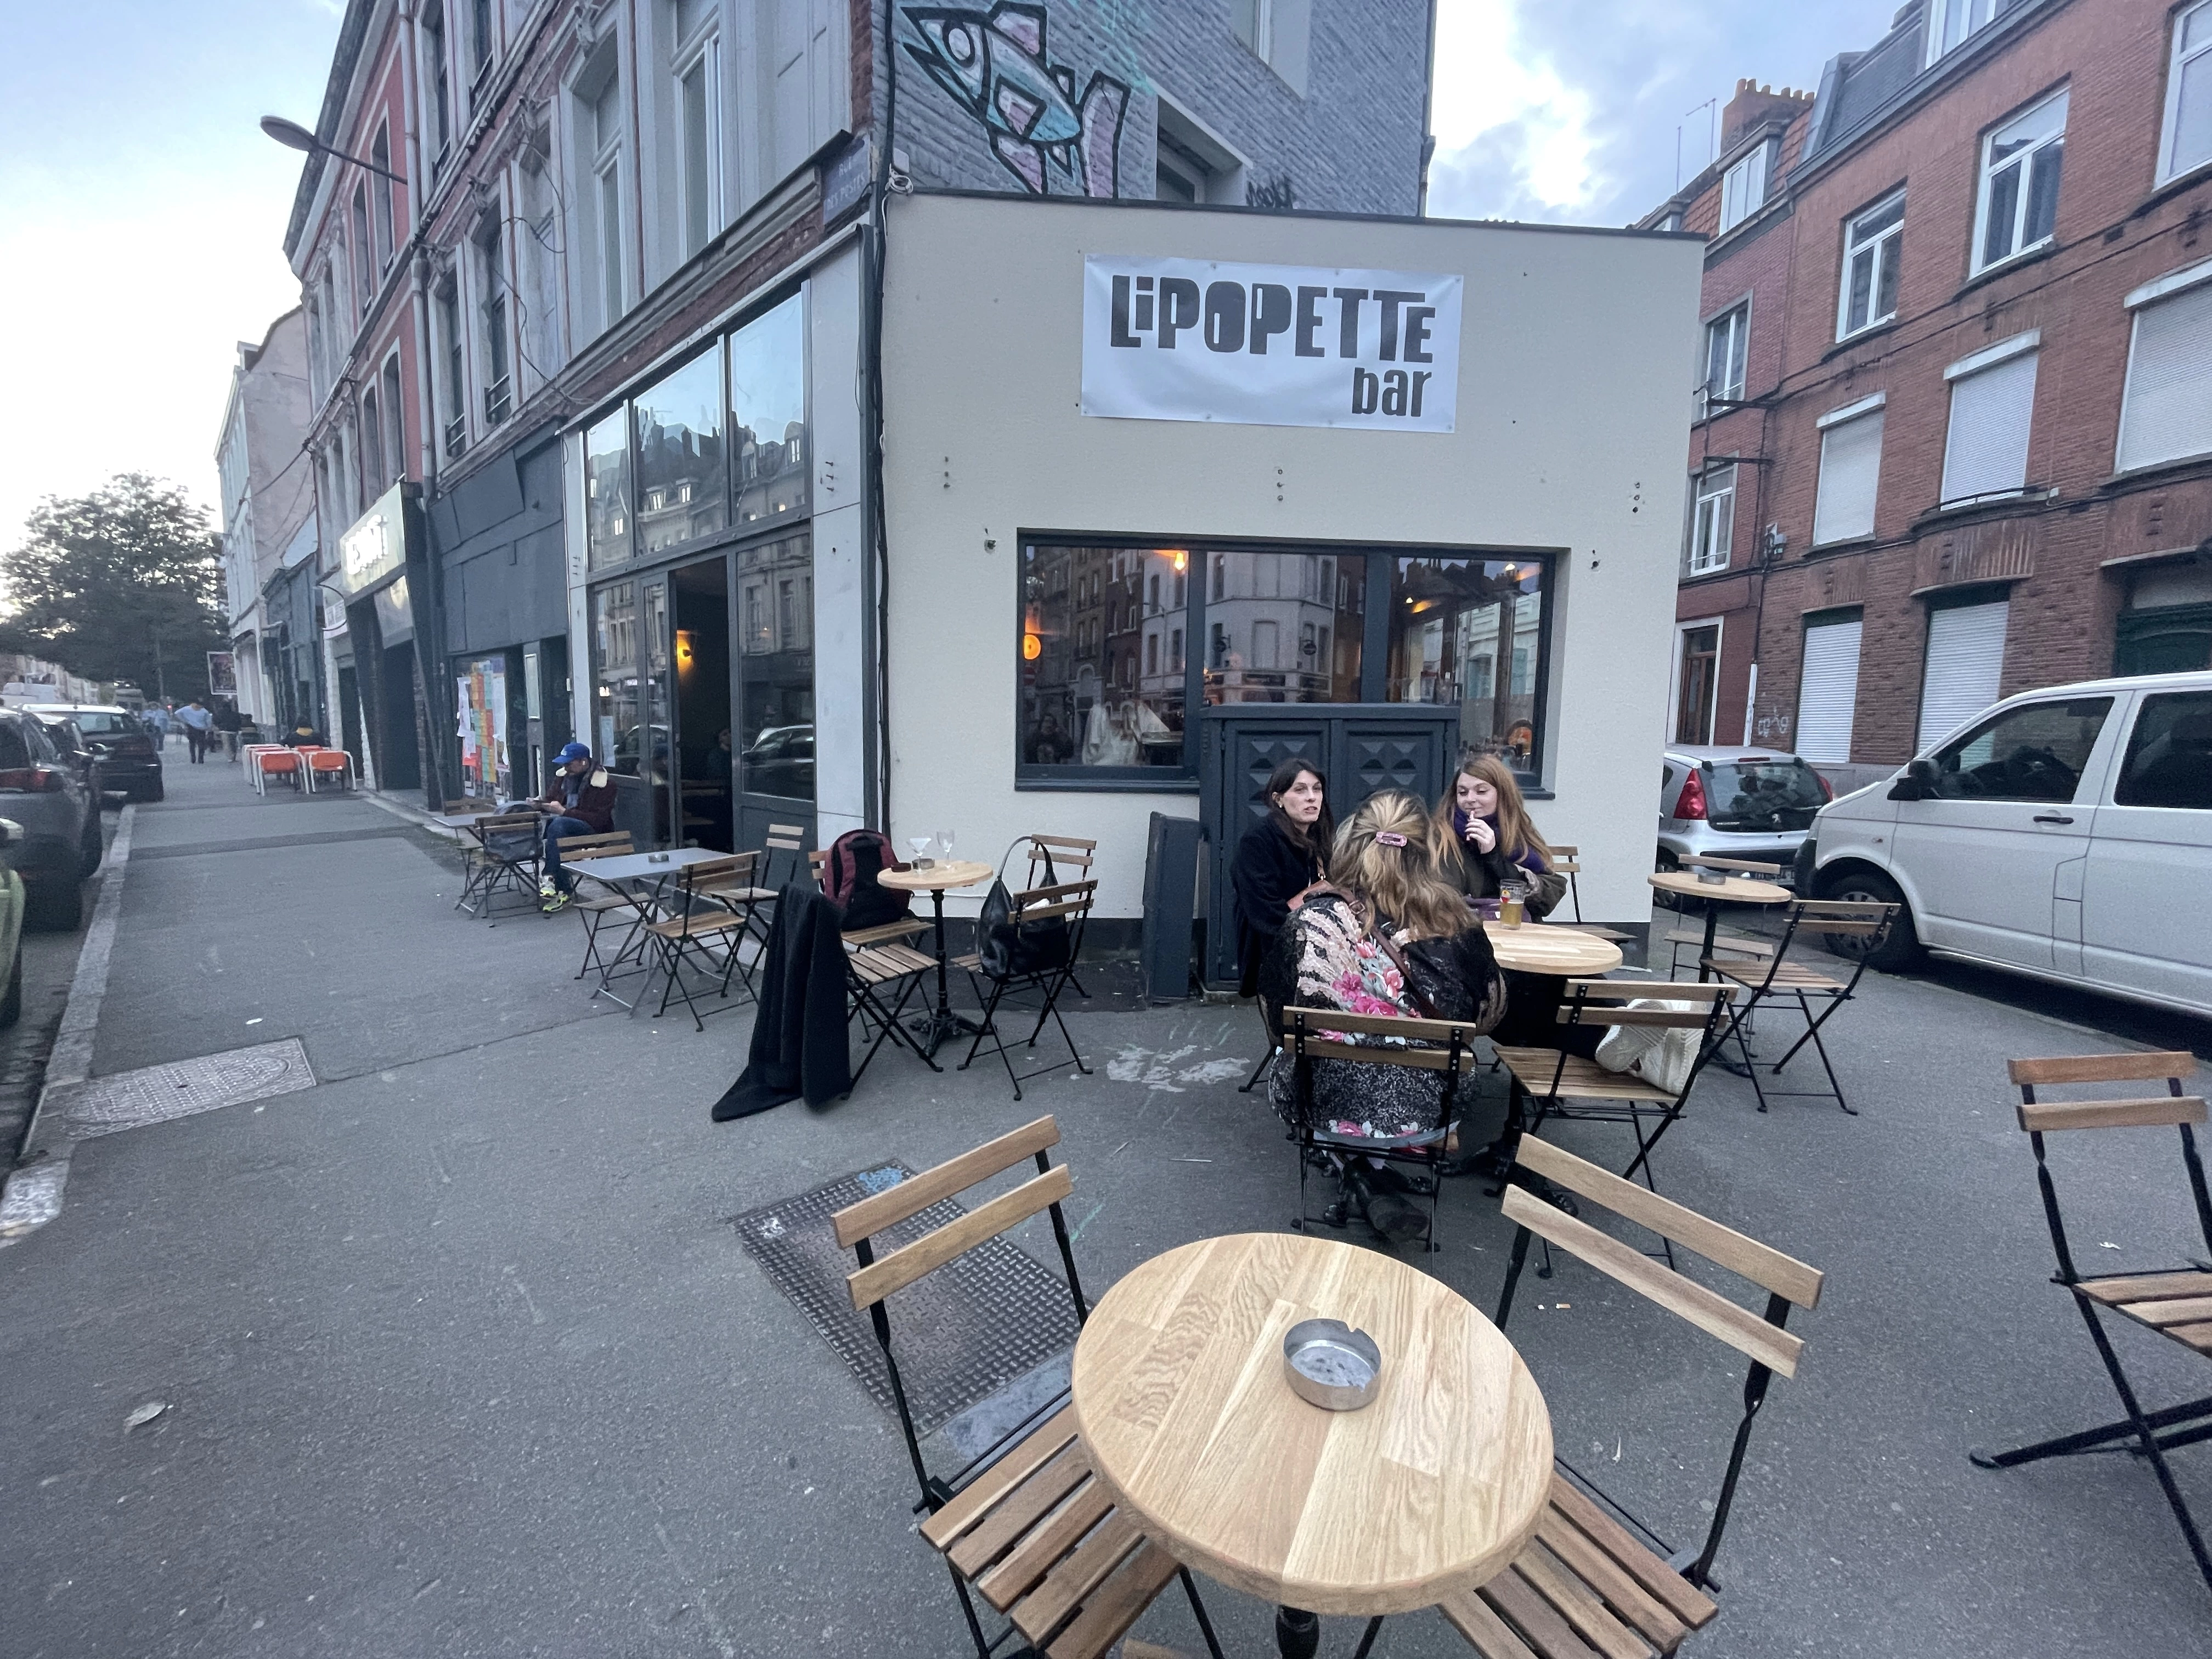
1872	243
1712	521
1743	187
2166	409
364	260
1828	690
604	133
452	359
380	154
699	116
2016	209
395	426
2185	140
432	34
1992	405
1950	21
1278	32
492	310
1850	471
372	446
1727	338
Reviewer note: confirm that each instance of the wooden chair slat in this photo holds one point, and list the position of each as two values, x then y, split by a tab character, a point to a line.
1421	1030
2157	1110
1113	1607
976	1499
956	1174
2199	1337
1577	1079
2102	1068
1734	943
1604	1014
1420	1060
1489	1635
2139	1287
1709	1311
2180	1310
888	930
1611	1582
1021	1509
1047	1607
1539	1621
1665	990
1030	1558
1763	1265
870	1286
1575	1602
1682	1598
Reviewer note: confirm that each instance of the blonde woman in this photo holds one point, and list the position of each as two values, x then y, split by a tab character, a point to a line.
1492	846
1389	935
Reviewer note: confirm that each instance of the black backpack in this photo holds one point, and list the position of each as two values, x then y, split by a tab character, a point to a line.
849	880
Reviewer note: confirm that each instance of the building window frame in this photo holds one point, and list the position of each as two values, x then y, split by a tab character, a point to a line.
2025	164
1834	422
1746	185
2191	46
2185	288
364	258
699	154
1727	349
1712	521
1952	23
385	215
597	104
1709	683
488	247
1876	247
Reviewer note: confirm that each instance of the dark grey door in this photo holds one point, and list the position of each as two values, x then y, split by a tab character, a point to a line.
1359	747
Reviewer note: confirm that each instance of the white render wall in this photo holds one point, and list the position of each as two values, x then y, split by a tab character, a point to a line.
1574	360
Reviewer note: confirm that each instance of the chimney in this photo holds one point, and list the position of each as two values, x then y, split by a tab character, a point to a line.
1754	105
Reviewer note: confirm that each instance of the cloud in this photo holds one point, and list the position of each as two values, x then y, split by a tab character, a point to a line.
1512	134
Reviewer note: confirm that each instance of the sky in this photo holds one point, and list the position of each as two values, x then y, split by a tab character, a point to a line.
143	213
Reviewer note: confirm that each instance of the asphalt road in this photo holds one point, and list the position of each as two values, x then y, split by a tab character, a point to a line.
458	1353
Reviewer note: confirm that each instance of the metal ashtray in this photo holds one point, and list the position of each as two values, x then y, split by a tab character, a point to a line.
1713	877
1331	1365
656	858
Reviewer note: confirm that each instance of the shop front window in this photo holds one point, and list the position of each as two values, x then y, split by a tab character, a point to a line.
606	491
1284	627
614	673
1102	668
681	471
767	416
1474	631
775	669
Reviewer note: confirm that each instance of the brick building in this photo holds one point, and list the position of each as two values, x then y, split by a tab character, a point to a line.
591	373
268	525
1953	433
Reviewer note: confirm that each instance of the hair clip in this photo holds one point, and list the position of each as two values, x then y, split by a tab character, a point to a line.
1389	838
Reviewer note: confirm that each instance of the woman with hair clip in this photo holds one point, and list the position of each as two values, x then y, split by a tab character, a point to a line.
1389	935
1494	850
1280	856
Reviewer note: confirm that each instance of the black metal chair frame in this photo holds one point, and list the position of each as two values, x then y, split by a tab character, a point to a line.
487	871
1076	853
1449	1048
1274	1029
671	951
1826	915
1071	900
1536	1217
2155	1432
979	1165
866	1004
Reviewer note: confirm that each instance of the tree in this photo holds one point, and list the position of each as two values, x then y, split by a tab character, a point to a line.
122	584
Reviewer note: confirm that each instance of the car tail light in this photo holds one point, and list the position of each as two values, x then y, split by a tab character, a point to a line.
1827	789
35	779
1692	802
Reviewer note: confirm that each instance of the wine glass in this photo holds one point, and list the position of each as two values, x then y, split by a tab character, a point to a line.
945	842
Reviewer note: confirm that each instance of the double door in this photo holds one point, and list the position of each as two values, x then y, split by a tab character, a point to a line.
1357	748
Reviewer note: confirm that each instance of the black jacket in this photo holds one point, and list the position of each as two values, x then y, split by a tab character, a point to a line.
800	1045
1269	871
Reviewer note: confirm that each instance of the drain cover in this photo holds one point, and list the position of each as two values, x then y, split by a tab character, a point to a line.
130	1100
961	1333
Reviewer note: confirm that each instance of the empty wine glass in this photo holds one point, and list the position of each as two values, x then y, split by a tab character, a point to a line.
920	844
944	841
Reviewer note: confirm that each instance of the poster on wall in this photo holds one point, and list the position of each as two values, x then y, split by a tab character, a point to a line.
1270	345
222	674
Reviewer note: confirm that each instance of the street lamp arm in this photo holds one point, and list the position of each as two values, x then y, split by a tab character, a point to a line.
293	135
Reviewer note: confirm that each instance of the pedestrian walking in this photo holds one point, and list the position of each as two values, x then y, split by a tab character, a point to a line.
227	724
156	722
199	721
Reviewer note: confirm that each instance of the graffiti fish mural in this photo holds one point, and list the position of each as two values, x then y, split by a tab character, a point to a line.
996	67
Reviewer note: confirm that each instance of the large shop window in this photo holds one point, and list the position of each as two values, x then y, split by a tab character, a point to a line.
1104	659
775	668
614	669
606	491
1284	627
683	477
767	416
1472	631
2166	412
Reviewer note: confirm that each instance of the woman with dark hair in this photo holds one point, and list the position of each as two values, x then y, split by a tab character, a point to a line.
1280	856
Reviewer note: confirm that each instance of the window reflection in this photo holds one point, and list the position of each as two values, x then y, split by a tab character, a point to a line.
682	470
1104	651
768	414
1284	627
606	489
614	672
775	639
1471	631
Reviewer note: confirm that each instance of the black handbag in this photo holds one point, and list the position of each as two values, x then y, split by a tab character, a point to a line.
1010	949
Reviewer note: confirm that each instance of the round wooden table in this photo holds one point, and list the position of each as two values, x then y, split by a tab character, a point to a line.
941	1022
1538	948
1737	889
1432	1487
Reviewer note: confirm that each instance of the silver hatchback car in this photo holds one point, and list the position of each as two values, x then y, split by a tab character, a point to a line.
1737	804
60	844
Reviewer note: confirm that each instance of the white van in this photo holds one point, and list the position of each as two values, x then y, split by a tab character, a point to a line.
2065	833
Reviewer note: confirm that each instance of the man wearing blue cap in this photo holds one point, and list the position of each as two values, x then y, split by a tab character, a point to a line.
581	802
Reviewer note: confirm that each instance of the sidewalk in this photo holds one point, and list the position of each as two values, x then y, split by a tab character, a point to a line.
457	1352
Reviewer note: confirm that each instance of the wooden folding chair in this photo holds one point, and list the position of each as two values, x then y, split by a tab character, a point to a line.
1069	902
1025	1525
595	908
879	962
2174	1302
699	924
1587	1584
1733	944
1557	1084
1567	861
1053	860
1321	1035
1775	978
504	853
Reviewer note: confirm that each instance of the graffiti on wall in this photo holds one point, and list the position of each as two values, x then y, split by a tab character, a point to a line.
996	66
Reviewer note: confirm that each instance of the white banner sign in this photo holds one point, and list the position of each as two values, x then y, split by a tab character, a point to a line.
1269	345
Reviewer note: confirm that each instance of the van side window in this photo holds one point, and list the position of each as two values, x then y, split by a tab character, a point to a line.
2033	753
14	754
2169	760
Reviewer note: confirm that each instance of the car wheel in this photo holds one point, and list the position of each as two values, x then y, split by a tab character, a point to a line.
92	849
1668	864
1894	950
55	906
11	1004
152	790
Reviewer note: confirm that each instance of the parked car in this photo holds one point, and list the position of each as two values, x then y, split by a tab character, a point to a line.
2065	833
61	843
1735	803
116	740
11	925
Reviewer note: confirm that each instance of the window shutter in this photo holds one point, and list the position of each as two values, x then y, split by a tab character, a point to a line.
1986	452
1850	467
1966	657
1828	691
2167	413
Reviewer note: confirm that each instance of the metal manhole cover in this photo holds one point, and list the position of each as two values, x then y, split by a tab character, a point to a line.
130	1100
962	1333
